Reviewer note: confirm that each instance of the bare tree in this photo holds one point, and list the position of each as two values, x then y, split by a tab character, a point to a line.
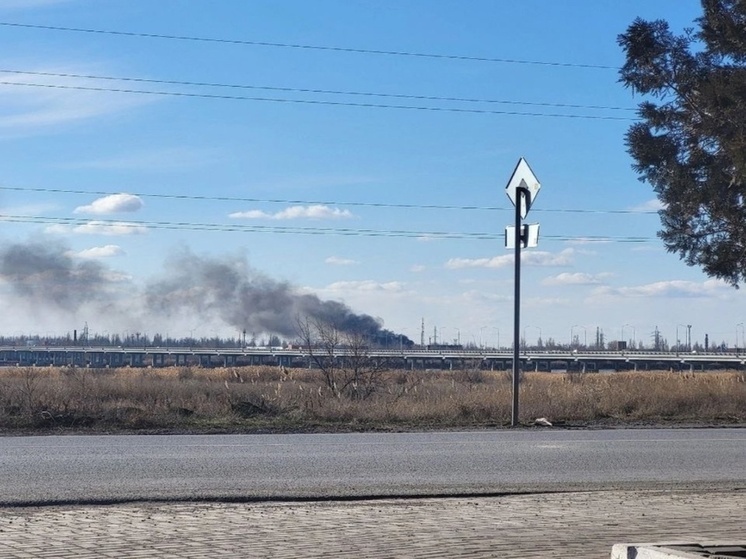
342	357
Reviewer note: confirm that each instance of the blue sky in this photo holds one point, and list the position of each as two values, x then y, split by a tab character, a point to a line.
395	181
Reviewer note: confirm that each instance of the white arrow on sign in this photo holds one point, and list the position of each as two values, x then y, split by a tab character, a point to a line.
524	177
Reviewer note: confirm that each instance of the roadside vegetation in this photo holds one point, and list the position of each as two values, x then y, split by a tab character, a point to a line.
264	399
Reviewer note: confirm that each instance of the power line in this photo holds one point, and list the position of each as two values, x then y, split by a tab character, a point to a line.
316	91
191	226
311	101
274	229
320	202
309	47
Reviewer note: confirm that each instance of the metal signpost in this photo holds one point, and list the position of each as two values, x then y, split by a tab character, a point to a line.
522	189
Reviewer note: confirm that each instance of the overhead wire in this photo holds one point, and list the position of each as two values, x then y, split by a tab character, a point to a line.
308	46
307	90
314	91
307	230
198	197
312	101
343	231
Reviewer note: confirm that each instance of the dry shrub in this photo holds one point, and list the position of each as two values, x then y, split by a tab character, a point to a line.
639	396
469	376
260	397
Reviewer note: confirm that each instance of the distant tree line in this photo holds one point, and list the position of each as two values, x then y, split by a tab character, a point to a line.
383	340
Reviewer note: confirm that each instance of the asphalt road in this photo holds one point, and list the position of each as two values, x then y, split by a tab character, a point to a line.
86	469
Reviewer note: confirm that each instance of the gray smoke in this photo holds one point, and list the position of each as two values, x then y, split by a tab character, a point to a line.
245	298
46	277
45	274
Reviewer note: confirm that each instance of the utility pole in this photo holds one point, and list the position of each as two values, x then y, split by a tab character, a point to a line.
657	339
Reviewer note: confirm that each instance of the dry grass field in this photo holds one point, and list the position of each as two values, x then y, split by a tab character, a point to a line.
261	399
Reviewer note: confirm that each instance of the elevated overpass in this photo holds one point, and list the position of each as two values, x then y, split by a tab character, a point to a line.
531	360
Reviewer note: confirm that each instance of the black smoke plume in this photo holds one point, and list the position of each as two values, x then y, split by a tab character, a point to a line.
195	288
46	274
245	298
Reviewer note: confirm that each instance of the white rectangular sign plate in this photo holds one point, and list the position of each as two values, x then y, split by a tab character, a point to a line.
530	236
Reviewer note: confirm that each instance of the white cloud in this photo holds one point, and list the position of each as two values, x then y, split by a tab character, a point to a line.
481	297
108	228
417	268
495	262
57	229
529	258
578	278
587	241
367	286
666	290
105	251
653	205
53	100
337	261
316	211
250	214
114	203
111	228
29	209
538	258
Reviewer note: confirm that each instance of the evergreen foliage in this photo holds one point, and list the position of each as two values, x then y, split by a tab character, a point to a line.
690	144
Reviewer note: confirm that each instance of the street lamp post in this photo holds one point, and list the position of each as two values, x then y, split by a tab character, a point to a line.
585	334
524	334
678	341
634	335
743	337
498	338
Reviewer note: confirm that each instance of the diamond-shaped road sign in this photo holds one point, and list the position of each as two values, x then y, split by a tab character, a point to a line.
524	177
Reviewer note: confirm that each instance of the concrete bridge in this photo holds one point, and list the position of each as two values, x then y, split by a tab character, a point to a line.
531	360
